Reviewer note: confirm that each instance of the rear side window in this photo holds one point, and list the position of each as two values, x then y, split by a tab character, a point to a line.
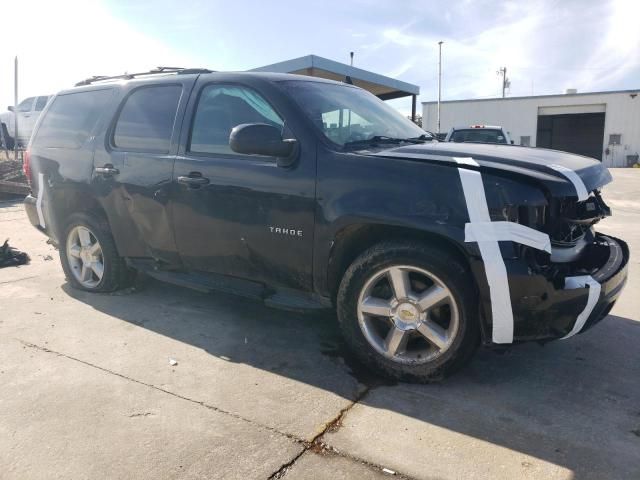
146	119
71	118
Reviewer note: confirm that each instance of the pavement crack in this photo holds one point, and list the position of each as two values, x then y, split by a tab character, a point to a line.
19	279
284	468
142	414
316	444
149	385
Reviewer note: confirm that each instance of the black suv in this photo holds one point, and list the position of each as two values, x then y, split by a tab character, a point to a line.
308	193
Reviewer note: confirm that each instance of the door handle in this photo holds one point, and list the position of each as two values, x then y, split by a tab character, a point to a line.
194	179
107	170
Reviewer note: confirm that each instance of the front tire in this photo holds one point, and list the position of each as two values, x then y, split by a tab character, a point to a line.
409	310
89	255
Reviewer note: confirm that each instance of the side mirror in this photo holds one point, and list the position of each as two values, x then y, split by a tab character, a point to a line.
10	108
262	139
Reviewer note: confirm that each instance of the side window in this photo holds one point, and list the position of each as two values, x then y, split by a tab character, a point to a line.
146	119
71	118
222	107
344	124
25	105
41	102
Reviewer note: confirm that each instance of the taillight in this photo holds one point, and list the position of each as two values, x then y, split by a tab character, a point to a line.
26	166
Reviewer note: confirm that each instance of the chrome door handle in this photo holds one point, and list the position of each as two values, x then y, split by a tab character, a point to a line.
193	180
106	170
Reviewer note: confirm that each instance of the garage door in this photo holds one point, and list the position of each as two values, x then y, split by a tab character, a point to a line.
581	133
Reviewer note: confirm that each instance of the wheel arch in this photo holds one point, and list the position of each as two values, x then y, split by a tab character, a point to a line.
68	201
354	239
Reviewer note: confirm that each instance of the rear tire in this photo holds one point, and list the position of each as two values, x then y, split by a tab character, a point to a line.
8	139
409	311
89	256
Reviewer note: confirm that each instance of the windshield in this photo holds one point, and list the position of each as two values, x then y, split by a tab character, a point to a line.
480	135
349	115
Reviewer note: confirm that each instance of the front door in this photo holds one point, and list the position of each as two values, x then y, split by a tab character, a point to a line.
26	119
241	215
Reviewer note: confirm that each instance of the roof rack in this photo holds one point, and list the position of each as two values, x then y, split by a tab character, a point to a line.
155	71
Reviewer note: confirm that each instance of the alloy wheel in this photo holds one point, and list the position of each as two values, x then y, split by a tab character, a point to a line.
407	314
85	257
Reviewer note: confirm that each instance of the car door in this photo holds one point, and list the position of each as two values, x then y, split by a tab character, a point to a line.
26	118
242	215
136	165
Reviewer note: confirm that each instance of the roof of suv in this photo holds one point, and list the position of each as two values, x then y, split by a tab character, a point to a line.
153	77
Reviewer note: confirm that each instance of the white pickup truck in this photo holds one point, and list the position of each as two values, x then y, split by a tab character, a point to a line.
479	134
28	112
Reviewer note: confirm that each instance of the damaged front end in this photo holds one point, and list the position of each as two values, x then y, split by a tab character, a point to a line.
548	290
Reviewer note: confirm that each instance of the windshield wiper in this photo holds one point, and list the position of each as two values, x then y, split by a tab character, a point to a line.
429	137
375	140
382	139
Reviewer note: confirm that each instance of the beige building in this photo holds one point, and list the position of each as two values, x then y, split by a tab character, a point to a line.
602	125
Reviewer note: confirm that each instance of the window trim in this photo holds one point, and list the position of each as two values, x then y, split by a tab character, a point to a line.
232	154
112	128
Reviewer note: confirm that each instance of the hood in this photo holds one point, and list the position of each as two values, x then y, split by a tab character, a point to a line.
530	162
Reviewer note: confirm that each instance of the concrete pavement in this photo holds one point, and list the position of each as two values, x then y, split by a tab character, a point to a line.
88	390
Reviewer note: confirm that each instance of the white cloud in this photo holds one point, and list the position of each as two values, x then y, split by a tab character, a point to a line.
618	53
62	42
546	46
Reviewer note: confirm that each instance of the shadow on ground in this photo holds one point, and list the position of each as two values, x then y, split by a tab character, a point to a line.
572	403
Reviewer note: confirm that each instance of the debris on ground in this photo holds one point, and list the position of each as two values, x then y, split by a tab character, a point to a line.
173	362
12	178
11	257
11	170
388	471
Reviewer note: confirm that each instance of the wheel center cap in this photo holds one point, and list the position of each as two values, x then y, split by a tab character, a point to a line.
406	316
85	256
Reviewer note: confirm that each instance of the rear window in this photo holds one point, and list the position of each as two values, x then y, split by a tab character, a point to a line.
146	119
481	135
71	118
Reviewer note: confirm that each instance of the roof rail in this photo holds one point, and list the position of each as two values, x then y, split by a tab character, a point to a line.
155	71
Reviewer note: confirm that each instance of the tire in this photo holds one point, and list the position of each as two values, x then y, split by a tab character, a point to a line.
9	140
115	273
420	345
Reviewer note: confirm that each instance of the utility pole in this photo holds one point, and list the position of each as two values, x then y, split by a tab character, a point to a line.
439	81
505	81
15	108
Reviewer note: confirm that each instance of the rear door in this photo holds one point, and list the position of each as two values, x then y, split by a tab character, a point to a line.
137	164
242	215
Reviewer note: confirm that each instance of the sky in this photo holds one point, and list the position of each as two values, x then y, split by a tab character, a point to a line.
547	46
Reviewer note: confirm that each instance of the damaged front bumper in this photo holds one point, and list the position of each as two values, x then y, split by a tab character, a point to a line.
546	304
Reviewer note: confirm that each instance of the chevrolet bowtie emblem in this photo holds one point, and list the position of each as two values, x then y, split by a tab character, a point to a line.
407	314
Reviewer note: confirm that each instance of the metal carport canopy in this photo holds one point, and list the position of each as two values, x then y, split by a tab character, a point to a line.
385	88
